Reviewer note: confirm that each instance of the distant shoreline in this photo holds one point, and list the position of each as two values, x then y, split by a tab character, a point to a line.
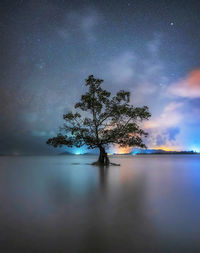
127	154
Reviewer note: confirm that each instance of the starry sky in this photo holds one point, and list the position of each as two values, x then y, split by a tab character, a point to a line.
48	48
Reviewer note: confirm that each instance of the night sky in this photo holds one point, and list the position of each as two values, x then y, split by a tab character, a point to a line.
48	48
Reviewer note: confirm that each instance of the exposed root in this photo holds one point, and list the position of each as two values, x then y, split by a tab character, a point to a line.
97	163
115	164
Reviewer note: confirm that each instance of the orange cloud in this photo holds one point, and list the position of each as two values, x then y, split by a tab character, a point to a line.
187	87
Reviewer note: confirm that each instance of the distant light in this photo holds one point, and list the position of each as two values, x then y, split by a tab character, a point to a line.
172	23
77	153
135	151
195	149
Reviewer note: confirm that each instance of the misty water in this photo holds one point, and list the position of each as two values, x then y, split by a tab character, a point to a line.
63	204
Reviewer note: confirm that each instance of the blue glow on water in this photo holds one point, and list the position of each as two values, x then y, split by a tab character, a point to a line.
138	151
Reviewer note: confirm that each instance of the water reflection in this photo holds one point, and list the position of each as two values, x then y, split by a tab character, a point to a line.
148	204
103	176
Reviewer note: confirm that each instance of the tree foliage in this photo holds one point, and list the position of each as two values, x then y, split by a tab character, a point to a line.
104	120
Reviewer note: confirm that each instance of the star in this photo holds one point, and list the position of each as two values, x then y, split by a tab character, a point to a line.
41	65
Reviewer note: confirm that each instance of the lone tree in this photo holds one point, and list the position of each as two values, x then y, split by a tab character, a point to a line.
105	121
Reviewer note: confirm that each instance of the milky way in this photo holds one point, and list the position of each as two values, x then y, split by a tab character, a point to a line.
48	48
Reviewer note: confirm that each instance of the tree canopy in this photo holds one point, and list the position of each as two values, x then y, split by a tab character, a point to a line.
100	120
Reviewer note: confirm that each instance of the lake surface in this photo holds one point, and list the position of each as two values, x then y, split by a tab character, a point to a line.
62	204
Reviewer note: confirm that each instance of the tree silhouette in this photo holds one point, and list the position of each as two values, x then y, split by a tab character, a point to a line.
104	121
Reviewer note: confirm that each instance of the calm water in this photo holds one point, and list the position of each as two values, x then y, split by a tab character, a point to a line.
61	204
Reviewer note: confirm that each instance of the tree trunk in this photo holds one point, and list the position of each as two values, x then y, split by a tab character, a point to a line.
103	157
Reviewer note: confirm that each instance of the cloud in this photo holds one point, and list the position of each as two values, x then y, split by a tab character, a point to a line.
170	117
160	140
164	129
166	137
43	133
121	67
77	24
173	131
153	46
143	74
147	69
189	87
88	24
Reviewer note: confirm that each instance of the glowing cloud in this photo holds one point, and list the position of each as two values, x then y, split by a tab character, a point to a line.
170	117
188	87
165	129
116	149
